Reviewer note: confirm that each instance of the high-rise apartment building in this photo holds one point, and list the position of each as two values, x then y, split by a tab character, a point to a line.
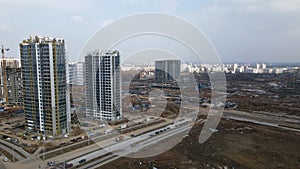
167	70
102	79
45	94
76	73
14	85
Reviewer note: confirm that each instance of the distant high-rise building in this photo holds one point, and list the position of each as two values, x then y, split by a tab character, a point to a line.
13	80
235	66
11	62
102	79
167	70
76	73
14	85
257	66
45	94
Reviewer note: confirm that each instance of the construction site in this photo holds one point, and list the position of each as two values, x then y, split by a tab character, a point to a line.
260	125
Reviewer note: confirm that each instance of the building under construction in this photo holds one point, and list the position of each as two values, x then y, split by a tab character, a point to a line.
13	84
293	82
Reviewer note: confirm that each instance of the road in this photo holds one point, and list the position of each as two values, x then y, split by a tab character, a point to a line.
19	149
14	153
1	165
98	138
101	161
261	123
266	118
127	146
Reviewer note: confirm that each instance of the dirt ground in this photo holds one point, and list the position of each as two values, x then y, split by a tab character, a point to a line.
235	145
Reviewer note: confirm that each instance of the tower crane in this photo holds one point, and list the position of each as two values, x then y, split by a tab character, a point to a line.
5	92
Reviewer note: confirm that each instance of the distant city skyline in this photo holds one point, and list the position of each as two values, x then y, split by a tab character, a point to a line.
167	70
242	31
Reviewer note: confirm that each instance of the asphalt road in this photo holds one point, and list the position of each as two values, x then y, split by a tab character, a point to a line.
19	149
130	145
138	143
15	154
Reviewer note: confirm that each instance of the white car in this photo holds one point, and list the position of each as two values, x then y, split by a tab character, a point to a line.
5	159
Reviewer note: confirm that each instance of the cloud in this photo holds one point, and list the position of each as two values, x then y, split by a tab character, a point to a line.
169	6
293	32
266	16
258	27
64	5
286	5
106	22
77	19
253	6
166	6
132	1
6	27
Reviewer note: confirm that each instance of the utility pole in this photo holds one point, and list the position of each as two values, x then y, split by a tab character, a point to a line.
5	93
43	150
13	154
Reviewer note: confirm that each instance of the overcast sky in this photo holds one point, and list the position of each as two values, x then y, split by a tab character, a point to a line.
241	30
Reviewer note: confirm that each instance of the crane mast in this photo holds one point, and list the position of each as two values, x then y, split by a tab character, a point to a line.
5	92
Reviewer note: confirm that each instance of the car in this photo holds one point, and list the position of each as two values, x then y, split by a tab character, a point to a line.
14	140
82	160
51	163
69	165
5	159
119	138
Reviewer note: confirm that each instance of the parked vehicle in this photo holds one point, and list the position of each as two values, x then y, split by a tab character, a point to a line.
5	159
152	134
69	165
82	160
51	163
120	138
